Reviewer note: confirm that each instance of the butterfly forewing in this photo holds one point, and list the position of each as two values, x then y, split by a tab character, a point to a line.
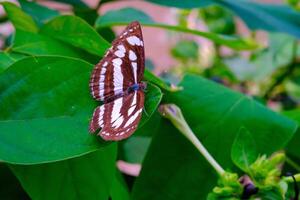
121	67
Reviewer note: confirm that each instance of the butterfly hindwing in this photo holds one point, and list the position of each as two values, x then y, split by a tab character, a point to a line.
119	118
121	67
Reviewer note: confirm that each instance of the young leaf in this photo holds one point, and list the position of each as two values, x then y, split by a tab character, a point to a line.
39	13
46	106
243	151
19	19
75	31
85	177
126	15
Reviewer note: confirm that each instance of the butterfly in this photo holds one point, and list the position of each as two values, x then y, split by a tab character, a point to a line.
117	81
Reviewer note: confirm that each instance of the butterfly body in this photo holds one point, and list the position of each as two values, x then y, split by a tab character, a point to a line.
117	81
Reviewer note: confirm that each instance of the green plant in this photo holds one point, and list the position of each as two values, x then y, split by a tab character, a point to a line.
213	138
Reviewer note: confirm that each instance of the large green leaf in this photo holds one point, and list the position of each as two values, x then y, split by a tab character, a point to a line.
39	13
219	112
45	108
37	44
279	18
86	177
127	15
19	19
77	32
6	59
174	170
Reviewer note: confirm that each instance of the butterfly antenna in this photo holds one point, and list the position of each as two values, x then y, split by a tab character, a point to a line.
296	188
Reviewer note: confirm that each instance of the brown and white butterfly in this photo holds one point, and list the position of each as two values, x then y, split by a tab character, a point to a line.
116	80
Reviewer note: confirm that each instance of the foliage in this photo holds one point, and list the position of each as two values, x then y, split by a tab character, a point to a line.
226	104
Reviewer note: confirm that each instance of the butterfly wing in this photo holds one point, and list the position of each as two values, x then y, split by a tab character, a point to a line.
122	66
118	119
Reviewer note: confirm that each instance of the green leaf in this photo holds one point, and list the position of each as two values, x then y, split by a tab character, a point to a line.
37	44
19	19
243	151
6	59
127	15
215	114
47	101
119	190
293	146
75	31
153	98
86	177
173	169
277	18
39	13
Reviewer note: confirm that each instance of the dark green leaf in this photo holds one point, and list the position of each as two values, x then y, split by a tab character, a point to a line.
127	15
77	32
48	103
39	13
19	19
243	151
293	146
10	188
173	169
119	190
86	177
6	59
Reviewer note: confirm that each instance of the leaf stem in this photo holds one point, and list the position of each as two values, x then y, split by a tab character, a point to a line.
174	114
289	179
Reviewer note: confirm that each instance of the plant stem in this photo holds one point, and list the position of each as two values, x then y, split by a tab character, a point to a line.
174	114
292	163
291	180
